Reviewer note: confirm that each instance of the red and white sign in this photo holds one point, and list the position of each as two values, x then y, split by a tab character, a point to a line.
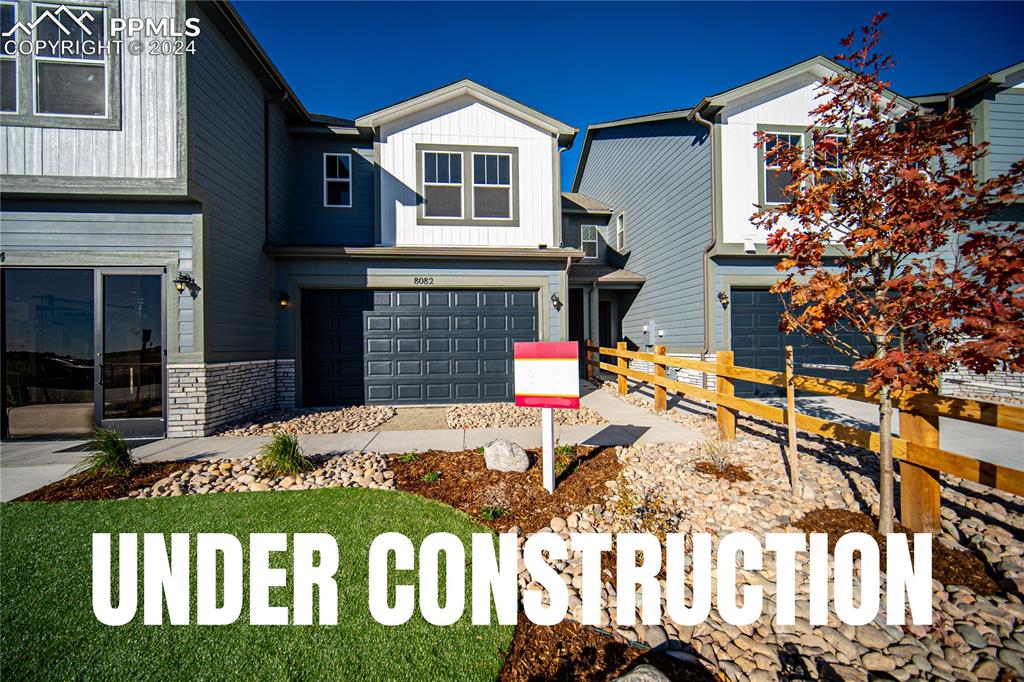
547	374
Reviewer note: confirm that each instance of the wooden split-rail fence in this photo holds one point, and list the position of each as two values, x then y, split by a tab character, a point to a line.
916	449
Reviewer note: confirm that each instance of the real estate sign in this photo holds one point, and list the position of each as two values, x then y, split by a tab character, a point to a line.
547	374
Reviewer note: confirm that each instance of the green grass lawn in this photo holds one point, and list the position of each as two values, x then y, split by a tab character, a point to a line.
48	630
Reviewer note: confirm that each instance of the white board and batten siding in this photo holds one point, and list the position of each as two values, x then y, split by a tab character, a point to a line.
144	147
787	105
465	121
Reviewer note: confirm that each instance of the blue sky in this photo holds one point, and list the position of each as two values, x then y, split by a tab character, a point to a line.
589	62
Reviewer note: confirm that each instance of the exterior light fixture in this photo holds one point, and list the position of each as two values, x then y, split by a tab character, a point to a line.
556	302
724	298
284	300
184	281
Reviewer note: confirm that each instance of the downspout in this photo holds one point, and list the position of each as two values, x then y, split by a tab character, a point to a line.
267	103
714	236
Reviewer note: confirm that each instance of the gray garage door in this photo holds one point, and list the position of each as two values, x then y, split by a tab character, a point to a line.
396	346
757	342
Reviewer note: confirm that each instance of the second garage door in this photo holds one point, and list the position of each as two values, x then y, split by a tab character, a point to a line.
757	342
412	347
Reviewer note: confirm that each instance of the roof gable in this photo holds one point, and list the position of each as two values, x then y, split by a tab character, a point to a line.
464	88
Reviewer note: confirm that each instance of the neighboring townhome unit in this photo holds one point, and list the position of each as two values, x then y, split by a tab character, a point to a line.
686	183
183	245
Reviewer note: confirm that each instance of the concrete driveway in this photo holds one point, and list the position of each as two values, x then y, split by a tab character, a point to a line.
987	443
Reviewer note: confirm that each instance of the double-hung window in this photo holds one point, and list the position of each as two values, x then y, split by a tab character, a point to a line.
442	184
58	65
492	186
588	241
337	180
8	59
70	70
830	156
775	180
620	233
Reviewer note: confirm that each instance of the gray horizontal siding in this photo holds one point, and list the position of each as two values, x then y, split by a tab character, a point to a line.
226	130
281	166
659	176
110	228
309	221
1005	129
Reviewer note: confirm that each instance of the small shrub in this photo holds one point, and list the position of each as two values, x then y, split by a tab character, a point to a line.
641	509
717	452
431	476
568	451
479	450
492	513
282	456
109	455
409	457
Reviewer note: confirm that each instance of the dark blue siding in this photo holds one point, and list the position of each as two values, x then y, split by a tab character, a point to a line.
659	176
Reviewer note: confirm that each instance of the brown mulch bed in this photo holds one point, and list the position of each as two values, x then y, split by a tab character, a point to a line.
731	472
467	484
949	566
84	486
576	653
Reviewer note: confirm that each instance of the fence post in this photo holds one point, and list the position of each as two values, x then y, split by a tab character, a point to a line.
920	491
724	386
588	371
660	397
794	462
621	363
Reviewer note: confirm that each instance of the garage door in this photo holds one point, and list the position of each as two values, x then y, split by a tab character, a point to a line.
757	342
412	347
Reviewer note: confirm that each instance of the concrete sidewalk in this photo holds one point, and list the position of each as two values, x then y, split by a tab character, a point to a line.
27	465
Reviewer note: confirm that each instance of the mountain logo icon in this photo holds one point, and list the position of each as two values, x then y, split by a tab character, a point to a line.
55	16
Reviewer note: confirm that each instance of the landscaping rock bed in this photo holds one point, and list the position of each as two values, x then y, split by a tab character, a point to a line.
348	470
506	415
344	420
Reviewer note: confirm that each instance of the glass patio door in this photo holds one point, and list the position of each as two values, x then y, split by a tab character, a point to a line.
130	352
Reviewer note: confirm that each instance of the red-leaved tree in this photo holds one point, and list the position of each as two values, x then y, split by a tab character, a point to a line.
888	234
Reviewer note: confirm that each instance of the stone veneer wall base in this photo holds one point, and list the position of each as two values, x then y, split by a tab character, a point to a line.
203	397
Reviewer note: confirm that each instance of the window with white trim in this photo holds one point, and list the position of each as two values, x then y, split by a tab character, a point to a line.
337	180
492	186
775	179
620	233
588	241
8	59
69	73
831	156
442	184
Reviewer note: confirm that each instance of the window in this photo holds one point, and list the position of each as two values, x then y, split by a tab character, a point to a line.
588	240
831	156
620	233
70	80
338	180
492	186
442	184
8	60
776	181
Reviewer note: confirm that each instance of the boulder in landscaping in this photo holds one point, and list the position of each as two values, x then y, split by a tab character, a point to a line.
643	673
504	455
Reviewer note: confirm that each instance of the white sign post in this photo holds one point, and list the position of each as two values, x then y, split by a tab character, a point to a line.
547	376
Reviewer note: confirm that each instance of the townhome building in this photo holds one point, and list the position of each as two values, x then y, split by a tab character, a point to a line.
183	244
680	188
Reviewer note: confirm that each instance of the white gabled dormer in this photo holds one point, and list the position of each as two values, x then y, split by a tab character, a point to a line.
779	103
463	165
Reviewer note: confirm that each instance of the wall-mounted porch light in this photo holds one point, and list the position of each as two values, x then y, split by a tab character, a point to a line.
556	302
184	281
284	300
724	298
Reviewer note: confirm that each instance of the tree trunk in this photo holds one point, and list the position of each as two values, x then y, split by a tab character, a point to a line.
886	505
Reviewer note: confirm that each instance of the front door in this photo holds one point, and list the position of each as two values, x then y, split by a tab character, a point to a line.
130	353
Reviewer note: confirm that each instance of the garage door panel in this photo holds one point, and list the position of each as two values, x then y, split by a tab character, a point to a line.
402	346
757	342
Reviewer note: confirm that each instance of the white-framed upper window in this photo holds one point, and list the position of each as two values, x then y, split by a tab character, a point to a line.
442	184
620	233
70	71
492	186
831	157
588	241
337	180
8	59
775	180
